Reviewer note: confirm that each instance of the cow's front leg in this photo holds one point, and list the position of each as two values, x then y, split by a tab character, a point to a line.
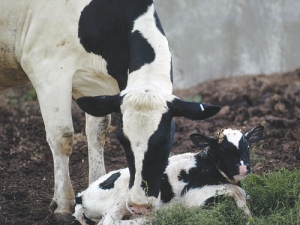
55	103
96	131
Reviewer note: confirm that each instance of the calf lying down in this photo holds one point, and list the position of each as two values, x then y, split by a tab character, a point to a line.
190	178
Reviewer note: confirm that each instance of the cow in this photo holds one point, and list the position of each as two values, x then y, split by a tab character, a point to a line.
192	179
116	50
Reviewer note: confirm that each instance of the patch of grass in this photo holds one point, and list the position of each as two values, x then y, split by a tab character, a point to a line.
254	157
30	95
274	199
218	213
197	98
272	192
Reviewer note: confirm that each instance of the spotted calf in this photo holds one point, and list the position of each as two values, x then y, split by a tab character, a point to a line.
190	178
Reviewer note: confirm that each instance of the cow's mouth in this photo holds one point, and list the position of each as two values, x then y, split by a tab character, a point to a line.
139	209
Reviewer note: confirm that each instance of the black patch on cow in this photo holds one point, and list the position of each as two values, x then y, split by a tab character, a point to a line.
128	152
167	193
157	154
158	24
78	200
105	29
109	183
141	52
204	173
88	221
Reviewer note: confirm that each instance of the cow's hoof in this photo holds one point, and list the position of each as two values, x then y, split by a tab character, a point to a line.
63	217
53	206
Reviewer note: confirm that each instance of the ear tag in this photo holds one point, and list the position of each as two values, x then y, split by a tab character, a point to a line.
201	106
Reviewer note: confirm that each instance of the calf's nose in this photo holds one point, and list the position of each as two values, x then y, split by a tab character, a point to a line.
243	169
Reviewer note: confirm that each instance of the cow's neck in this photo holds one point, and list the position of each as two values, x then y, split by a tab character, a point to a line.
150	57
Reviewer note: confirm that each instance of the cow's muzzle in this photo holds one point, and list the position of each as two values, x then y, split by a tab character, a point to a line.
139	209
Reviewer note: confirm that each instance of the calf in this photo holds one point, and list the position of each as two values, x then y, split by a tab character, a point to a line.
190	178
225	161
114	49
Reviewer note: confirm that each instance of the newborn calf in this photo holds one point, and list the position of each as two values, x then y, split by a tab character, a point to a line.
190	178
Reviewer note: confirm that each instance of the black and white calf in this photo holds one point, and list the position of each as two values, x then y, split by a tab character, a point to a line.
115	49
190	178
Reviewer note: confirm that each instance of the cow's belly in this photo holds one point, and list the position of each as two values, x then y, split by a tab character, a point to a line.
11	25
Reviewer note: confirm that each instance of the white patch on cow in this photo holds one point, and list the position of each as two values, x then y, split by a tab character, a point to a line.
201	106
142	112
233	136
94	80
156	75
176	164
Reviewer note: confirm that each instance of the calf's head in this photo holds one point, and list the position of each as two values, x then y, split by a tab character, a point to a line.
230	150
146	132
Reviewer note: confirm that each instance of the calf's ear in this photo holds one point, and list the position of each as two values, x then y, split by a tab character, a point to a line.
100	105
255	134
201	140
192	110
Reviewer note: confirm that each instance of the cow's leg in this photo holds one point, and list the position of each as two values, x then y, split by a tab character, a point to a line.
55	103
96	131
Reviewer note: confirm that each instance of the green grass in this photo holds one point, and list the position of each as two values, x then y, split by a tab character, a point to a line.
274	199
197	98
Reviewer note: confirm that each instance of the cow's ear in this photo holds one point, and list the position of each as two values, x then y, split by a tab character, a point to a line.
100	105
255	134
201	140
192	110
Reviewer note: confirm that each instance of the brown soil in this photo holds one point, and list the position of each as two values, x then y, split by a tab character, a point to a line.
26	166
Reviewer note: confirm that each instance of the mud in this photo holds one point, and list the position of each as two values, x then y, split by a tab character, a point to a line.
26	166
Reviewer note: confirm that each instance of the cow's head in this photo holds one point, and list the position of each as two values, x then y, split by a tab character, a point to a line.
230	150
146	132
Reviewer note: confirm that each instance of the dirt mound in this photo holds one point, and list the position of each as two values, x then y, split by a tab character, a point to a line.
26	166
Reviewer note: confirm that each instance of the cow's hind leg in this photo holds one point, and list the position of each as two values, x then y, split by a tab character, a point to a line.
96	131
55	103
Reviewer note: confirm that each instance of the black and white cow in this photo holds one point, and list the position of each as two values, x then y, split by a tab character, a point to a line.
190	178
114	49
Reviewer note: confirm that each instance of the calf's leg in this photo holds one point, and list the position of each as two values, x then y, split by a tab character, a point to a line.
197	197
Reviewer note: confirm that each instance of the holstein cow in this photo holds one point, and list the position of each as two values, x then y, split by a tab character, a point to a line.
190	178
114	49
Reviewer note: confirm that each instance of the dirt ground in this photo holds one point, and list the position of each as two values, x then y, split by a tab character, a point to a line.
26	166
